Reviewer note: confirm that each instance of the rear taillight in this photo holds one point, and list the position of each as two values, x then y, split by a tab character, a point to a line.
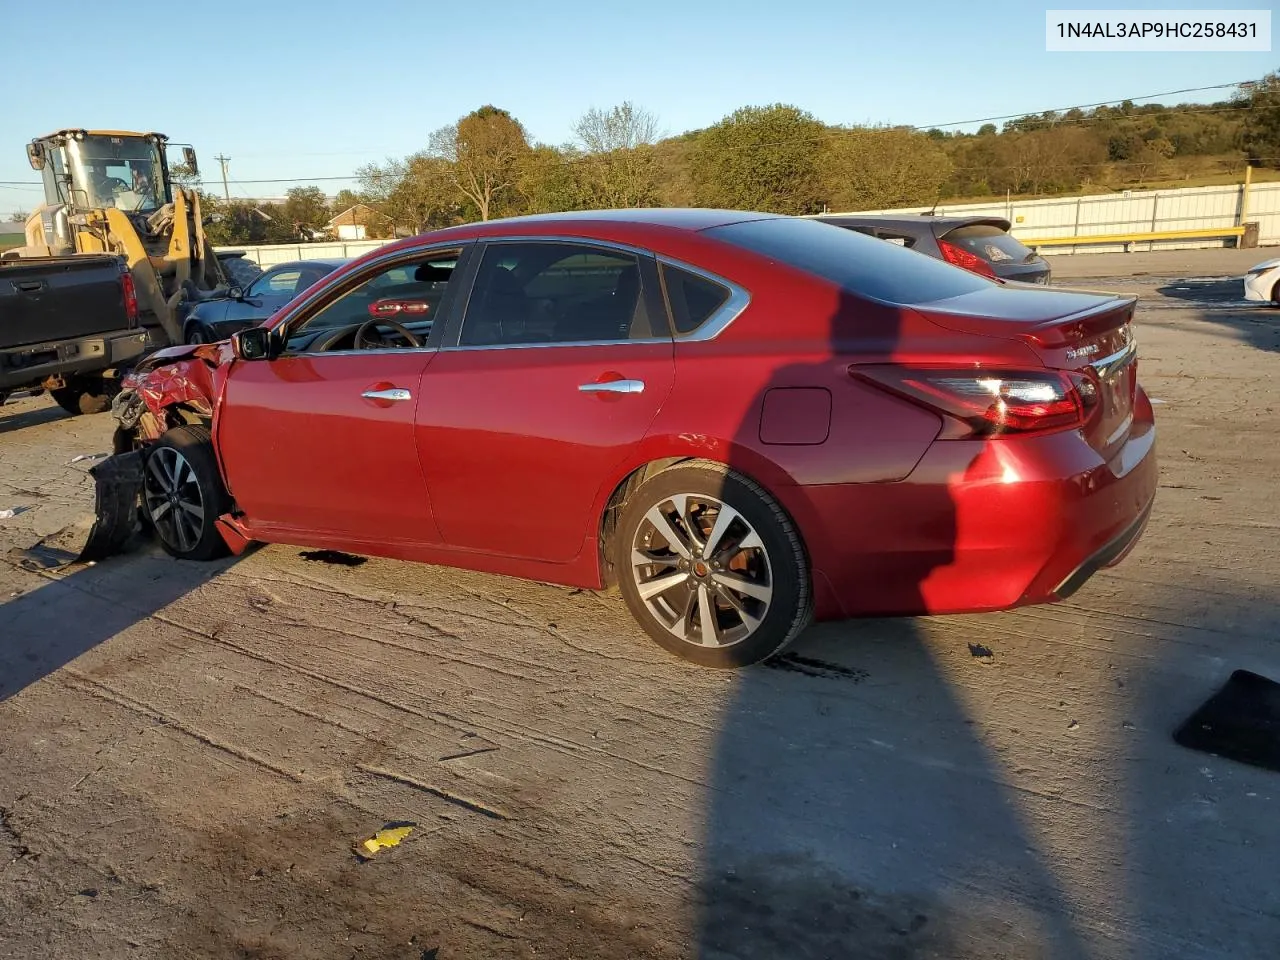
985	403
963	258
130	295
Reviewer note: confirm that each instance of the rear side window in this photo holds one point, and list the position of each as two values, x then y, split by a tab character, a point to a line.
692	299
862	265
989	242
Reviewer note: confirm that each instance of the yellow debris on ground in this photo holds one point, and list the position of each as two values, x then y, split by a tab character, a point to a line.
388	836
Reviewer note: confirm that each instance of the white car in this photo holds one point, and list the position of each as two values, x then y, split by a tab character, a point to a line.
1263	282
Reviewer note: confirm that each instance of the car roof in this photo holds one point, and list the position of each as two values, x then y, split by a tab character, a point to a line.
911	220
683	218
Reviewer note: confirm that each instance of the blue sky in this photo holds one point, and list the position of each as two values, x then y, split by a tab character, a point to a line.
292	89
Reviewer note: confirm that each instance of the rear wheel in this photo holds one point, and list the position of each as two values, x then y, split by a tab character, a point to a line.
182	494
711	567
84	395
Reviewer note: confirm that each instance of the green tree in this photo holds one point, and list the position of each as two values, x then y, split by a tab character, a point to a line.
307	209
415	194
182	176
1261	136
760	158
246	222
618	166
875	168
551	180
344	200
483	150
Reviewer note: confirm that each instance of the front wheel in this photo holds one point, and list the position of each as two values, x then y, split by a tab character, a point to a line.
712	567
182	494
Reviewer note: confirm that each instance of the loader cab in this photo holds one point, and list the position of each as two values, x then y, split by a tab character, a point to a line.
85	170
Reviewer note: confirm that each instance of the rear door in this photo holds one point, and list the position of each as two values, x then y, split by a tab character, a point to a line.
559	367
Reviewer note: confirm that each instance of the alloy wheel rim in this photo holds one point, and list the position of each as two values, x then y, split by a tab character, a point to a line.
702	570
173	499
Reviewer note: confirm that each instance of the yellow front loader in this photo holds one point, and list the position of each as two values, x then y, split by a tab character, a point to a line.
110	191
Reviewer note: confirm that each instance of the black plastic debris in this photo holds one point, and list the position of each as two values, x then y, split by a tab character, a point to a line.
117	489
333	556
1240	722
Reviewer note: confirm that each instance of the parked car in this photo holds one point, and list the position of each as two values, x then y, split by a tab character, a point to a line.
743	420
218	317
1262	282
981	244
69	325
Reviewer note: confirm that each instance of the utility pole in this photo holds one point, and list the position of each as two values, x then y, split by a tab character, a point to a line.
226	192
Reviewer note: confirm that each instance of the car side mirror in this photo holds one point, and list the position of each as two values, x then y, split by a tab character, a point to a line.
256	343
235	292
189	156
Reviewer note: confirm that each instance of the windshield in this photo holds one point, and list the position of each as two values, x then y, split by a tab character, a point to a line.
121	172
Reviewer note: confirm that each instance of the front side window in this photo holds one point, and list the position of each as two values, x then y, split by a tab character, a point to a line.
407	295
543	292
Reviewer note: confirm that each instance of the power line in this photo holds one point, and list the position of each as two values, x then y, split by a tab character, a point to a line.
1082	106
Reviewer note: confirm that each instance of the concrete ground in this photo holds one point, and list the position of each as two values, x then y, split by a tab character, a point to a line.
189	752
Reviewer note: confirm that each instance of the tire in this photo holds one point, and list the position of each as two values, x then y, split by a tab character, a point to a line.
195	334
1275	294
747	627
181	474
83	395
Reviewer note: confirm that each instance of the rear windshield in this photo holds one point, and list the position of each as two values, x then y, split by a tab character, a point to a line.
990	243
860	264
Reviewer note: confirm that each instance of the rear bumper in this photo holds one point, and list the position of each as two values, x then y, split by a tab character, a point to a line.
979	525
33	364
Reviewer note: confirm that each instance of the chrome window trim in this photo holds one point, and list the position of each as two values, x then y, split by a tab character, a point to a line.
738	301
560	344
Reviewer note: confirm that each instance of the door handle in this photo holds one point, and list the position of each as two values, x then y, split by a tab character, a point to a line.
392	393
613	386
29	286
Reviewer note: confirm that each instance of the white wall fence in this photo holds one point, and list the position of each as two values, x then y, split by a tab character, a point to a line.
1138	211
268	255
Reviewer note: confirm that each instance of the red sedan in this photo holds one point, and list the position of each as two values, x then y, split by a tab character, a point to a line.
743	421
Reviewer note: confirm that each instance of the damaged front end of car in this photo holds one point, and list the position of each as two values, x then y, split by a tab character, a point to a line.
170	388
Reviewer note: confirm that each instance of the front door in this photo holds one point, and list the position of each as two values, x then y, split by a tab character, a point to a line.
323	444
560	366
319	442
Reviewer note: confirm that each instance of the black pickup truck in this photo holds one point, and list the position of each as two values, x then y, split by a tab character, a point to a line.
68	325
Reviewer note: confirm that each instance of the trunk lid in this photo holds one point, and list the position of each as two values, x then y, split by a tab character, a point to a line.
1078	330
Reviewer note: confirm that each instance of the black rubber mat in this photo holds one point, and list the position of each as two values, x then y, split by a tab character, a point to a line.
1240	722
